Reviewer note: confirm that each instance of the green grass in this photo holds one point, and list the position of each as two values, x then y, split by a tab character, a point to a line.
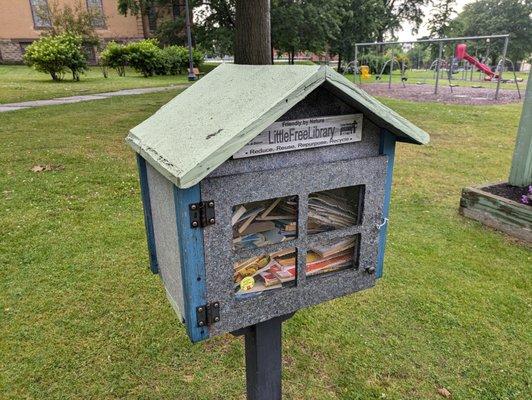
427	79
21	83
83	318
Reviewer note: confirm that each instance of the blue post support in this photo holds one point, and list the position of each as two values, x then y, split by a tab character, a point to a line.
387	148
148	220
192	260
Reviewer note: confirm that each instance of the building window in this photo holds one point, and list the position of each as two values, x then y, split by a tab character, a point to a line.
176	11
23	46
152	19
40	14
96	9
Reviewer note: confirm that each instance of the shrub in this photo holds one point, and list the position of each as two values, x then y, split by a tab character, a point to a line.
115	56
55	54
178	59
198	57
144	56
162	66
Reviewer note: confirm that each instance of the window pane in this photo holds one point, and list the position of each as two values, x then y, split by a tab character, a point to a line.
338	255
335	209
266	272
39	11
96	8
152	18
261	223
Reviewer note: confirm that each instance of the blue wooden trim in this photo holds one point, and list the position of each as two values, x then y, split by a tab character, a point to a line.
387	148
148	220
192	260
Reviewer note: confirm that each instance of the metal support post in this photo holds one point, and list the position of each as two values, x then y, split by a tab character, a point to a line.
191	74
505	49
391	71
438	66
356	70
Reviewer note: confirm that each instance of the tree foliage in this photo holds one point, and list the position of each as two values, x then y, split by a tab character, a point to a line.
491	17
115	56
215	27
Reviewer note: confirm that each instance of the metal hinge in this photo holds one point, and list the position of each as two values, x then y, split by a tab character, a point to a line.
208	314
202	214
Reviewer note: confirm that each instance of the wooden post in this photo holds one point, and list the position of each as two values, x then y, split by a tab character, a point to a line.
521	169
253	33
263	343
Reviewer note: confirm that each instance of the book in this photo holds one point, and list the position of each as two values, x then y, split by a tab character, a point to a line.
257	227
269	278
239	212
284	273
258	288
328	250
335	263
262	223
327	212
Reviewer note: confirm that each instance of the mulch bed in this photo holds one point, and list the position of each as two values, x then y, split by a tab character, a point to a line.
459	95
509	192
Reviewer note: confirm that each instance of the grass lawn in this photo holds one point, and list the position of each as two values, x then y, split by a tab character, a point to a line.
83	318
21	83
427	78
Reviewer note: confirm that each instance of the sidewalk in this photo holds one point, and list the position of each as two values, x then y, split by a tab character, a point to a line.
87	97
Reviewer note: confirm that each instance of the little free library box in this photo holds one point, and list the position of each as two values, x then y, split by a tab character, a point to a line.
265	190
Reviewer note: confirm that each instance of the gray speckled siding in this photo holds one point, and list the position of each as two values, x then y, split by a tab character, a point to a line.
219	257
294	173
319	103
166	241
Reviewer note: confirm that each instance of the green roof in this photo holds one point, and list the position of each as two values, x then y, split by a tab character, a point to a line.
211	120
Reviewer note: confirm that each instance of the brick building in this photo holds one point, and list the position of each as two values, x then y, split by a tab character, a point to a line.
21	23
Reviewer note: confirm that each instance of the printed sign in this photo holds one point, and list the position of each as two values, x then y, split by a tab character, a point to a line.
304	133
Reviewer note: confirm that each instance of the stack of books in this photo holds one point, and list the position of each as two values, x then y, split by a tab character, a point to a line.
262	223
269	271
327	212
321	259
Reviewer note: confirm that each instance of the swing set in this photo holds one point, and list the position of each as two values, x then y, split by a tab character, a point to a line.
460	62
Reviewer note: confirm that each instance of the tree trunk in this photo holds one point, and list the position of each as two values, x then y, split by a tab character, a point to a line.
145	27
252	37
339	62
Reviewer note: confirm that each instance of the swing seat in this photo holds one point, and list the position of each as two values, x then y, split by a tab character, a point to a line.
404	79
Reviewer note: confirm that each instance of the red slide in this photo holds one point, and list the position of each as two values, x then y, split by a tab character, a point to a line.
461	53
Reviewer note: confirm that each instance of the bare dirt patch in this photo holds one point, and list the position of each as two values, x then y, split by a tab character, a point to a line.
459	94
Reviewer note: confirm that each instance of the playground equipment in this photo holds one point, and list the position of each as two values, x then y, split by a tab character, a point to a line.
364	72
461	54
391	62
440	66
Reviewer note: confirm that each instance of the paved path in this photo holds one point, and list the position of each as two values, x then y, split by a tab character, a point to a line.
86	97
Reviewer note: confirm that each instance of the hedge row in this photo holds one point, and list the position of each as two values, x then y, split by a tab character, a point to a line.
57	54
148	58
